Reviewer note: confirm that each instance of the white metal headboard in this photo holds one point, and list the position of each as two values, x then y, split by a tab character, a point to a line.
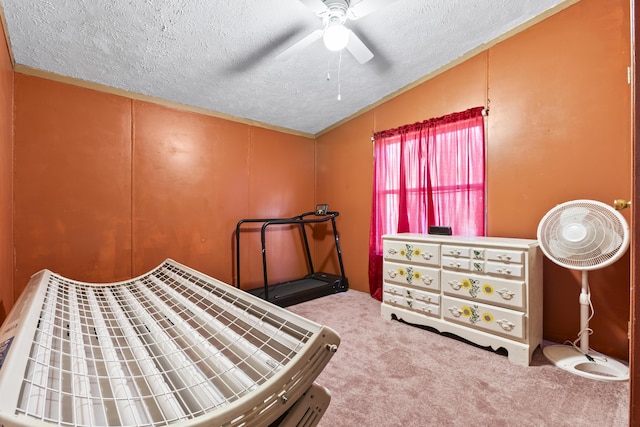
171	347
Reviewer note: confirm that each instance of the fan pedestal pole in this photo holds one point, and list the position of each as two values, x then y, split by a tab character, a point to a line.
585	362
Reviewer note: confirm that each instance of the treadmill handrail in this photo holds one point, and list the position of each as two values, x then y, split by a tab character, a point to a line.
291	220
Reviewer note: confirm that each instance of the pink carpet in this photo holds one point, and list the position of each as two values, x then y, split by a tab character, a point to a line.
387	373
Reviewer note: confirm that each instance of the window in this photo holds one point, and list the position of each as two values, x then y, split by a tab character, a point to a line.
427	173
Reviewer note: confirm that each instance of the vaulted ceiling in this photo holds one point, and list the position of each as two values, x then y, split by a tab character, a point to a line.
224	56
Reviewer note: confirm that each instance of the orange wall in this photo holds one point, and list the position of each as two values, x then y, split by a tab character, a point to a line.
195	177
108	187
6	179
72	182
558	129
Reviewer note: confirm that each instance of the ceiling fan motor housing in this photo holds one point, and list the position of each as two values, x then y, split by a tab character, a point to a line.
336	13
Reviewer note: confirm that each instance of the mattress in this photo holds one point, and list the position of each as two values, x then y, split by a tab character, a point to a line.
170	347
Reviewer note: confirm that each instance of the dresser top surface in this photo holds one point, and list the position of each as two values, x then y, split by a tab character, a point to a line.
467	240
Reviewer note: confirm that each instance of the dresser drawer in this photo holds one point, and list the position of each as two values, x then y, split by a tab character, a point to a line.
492	290
506	256
394	299
419	253
456	263
456	251
414	275
424	307
423	304
424	296
489	254
484	317
401	291
479	266
394	290
504	269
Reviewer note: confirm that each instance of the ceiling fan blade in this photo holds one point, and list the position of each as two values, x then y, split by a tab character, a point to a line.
299	45
366	7
317	6
358	49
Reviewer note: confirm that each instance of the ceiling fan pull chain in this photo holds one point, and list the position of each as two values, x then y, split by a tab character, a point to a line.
328	68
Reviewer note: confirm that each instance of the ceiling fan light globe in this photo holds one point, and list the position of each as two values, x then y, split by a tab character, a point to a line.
336	37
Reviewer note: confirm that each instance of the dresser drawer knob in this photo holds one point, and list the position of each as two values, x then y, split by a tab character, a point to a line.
455	285
506	325
455	252
504	257
427	280
455	311
392	251
392	273
427	256
455	264
506	271
506	294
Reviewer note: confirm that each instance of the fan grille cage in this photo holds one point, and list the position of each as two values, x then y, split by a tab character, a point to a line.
583	234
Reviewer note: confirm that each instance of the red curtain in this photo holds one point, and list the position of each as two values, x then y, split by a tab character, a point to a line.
427	173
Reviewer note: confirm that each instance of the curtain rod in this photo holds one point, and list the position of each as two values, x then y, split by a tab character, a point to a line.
484	112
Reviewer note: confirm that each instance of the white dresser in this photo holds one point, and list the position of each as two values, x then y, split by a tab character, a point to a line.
487	290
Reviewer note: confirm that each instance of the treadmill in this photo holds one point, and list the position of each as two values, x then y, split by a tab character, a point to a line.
311	286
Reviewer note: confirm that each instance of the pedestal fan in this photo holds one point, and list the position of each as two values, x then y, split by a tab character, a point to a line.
584	235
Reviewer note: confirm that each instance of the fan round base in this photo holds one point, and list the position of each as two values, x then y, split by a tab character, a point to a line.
601	368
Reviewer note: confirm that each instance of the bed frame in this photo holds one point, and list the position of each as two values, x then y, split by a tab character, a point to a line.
171	347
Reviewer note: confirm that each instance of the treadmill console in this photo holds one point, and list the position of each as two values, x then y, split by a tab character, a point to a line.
322	209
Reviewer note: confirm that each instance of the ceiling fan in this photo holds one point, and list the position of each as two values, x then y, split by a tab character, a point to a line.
336	36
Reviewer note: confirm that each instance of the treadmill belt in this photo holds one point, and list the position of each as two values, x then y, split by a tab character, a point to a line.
295	291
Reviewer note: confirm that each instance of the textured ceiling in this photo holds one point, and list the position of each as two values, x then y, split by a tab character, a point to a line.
220	55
